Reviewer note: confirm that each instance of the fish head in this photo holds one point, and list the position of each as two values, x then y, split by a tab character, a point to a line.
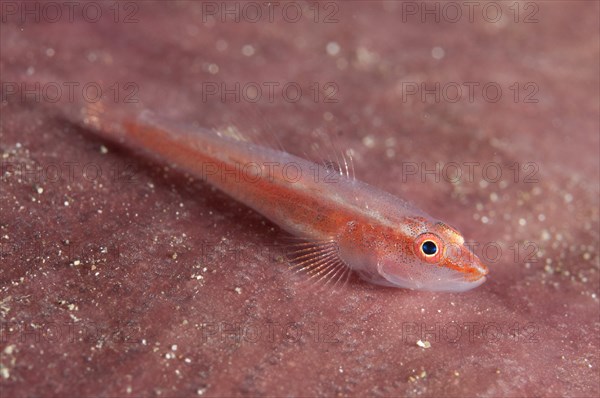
430	255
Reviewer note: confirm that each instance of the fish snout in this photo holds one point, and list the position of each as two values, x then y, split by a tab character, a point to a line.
476	269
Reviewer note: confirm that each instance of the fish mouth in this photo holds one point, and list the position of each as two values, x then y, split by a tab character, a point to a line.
459	283
476	273
472	269
480	269
451	285
448	280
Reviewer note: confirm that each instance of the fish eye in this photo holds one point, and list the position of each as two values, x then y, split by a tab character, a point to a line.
429	248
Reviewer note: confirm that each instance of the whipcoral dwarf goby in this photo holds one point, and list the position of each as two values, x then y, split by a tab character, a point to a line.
345	224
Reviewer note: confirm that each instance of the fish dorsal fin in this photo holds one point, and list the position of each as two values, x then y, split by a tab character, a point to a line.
324	151
249	124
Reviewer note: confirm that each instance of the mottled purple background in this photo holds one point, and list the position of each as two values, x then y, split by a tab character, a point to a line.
122	277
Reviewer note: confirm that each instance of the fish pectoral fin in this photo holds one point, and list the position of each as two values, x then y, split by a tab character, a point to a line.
320	261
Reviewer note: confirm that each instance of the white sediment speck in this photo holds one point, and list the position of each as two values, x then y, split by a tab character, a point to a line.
369	141
366	57
248	50
332	48
423	344
438	52
213	69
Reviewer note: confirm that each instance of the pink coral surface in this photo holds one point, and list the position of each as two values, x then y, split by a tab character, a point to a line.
124	277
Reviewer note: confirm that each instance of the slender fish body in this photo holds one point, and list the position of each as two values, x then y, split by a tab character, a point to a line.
346	224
